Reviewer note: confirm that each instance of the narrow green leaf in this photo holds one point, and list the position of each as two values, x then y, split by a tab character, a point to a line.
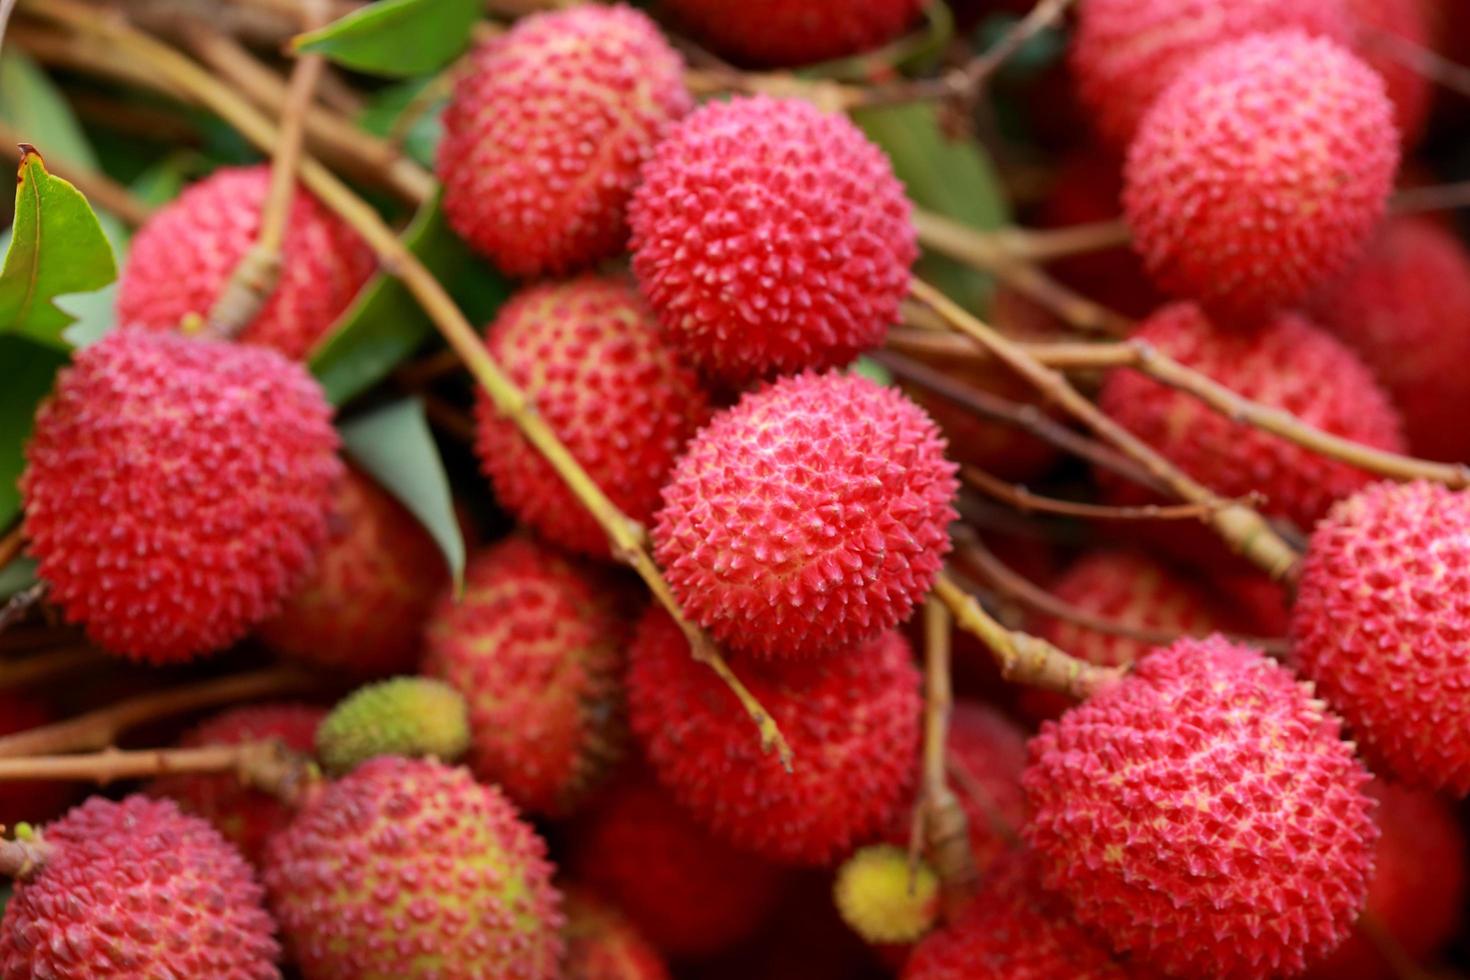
386	324
393	443
386	106
35	108
396	38
57	247
29	369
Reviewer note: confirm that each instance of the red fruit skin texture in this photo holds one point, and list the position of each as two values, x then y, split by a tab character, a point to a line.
177	490
409	868
137	889
546	131
1418	885
808	518
1126	53
1286	362
794	32
180	260
1379	624
363	608
1261	173
852	720
247	817
1378	23
536	646
688	893
602	944
771	237
1205	815
29	801
1406	310
590	355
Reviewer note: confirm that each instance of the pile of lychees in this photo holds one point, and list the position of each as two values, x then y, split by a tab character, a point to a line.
541	768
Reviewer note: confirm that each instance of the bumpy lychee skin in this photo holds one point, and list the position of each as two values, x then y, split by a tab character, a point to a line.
1404	309
602	944
535	644
546	131
1381	612
589	353
137	889
794	32
808	518
1204	814
408	716
409	868
1261	173
362	609
246	817
176	490
1127	52
180	260
771	237
883	898
689	894
852	719
1285	362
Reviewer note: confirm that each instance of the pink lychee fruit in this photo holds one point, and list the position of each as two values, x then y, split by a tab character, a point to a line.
794	32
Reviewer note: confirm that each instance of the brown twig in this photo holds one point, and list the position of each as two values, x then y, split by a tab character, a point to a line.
10	545
946	828
14	609
921	337
22	858
111	765
1050	244
1031	503
45	666
452	420
99	189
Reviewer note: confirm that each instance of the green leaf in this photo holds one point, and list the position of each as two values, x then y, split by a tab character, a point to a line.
393	444
19	574
35	108
388	105
397	38
30	368
386	323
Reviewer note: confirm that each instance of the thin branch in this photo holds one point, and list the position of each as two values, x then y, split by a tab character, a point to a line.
1031	503
14	609
974	790
1425	62
946	826
7	7
1436	197
98	188
21	859
111	765
922	338
1050	244
1045	14
10	545
46	666
452	420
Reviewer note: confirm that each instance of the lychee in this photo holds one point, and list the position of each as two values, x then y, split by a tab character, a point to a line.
884	898
137	889
771	237
247	817
1261	172
794	32
409	868
808	518
407	716
852	721
176	490
546	131
1204	814
536	646
1382	609
602	944
589	355
178	263
1286	363
362	609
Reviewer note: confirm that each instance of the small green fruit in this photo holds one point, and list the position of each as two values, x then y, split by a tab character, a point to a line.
408	716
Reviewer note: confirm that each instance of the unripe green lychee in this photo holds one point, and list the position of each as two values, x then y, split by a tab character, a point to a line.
409	716
883	899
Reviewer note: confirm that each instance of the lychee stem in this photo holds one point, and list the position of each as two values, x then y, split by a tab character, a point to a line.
47	665
10	544
22	858
946	828
1027	502
266	765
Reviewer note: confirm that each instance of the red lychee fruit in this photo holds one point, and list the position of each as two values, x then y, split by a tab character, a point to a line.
409	868
546	131
590	356
1379	25
1127	52
602	944
362	609
1418	886
176	490
178	263
1379	623
852	721
1406	310
770	237
1285	362
29	801
808	518
688	894
535	644
137	889
794	32
245	816
1261	173
1204	814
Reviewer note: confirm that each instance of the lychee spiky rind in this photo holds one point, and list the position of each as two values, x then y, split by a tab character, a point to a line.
590	356
602	944
1204	814
883	899
409	868
137	889
535	644
407	716
1382	610
178	263
1260	173
810	517
794	32
176	490
771	237
851	718
546	132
